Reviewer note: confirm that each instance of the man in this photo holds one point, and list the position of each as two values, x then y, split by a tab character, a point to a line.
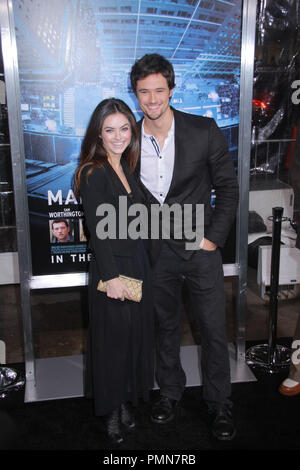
182	157
61	230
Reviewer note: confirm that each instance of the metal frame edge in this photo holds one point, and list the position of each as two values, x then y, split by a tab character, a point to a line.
10	64
244	149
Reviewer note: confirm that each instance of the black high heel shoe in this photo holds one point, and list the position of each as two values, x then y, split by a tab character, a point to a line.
127	417
113	427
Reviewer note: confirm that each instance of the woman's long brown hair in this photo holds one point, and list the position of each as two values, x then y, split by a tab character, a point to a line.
92	152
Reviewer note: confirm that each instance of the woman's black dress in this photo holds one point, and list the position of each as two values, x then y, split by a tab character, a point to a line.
119	359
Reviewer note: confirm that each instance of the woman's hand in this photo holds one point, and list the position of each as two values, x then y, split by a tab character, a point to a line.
116	289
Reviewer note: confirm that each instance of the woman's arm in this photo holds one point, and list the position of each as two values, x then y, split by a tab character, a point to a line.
95	191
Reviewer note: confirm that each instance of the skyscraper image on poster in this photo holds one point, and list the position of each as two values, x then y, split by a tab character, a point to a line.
74	53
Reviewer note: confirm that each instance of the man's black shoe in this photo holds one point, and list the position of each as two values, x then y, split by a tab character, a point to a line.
222	423
163	411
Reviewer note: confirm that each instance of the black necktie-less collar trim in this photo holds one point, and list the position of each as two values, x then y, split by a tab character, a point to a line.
155	145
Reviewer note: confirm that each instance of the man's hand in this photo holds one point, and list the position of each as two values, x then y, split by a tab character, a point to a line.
207	245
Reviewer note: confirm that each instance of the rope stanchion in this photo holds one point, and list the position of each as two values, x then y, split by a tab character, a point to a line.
272	357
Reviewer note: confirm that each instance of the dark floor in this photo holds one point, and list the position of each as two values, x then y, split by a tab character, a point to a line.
265	419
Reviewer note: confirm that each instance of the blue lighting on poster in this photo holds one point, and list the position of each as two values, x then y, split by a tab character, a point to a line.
74	53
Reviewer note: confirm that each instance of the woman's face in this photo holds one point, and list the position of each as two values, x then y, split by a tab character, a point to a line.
115	134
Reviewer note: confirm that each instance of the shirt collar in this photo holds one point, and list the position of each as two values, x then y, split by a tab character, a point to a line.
170	133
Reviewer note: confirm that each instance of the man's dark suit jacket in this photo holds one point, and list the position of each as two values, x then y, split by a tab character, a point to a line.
202	162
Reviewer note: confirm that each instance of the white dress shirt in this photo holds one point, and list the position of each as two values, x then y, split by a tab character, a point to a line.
157	164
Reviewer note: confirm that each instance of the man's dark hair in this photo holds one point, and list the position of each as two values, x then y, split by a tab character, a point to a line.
59	221
151	64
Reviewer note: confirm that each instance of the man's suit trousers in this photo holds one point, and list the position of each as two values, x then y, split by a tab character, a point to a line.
203	274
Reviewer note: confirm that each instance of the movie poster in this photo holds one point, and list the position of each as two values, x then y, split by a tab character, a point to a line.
74	53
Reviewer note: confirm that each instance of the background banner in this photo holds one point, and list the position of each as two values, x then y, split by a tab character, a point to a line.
74	53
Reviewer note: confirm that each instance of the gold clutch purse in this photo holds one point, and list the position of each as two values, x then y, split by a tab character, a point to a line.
134	285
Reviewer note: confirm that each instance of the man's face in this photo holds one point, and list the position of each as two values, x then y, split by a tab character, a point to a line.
153	94
61	231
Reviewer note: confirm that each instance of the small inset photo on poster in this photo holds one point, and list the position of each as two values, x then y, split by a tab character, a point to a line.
82	230
61	230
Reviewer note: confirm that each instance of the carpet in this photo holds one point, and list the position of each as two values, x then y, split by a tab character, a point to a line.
265	421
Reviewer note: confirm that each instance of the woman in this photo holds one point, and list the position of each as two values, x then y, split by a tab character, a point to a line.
119	367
